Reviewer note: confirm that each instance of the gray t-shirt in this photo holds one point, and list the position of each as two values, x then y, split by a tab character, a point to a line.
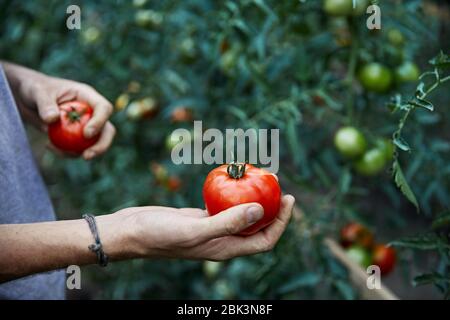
23	197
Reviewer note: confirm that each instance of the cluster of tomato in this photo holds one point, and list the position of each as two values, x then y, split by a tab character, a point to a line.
352	144
373	76
171	182
362	249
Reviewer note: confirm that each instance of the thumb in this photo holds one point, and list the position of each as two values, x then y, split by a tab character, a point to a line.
47	107
233	220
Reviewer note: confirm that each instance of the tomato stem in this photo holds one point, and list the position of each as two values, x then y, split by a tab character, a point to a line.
236	170
74	115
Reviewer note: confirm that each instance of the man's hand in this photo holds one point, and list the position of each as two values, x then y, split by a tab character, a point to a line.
39	95
142	232
191	233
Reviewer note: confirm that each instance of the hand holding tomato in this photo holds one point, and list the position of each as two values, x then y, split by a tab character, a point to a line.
194	234
234	184
67	134
38	96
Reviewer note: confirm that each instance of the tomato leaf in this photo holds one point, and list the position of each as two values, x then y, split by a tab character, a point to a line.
441	220
403	185
441	60
429	278
422	242
421	103
307	279
402	144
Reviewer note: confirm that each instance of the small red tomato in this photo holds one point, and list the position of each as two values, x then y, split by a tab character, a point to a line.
67	133
356	234
181	114
173	184
234	184
384	257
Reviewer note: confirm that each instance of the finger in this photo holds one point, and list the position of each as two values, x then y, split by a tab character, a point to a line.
102	110
194	212
47	107
102	144
232	220
264	240
274	231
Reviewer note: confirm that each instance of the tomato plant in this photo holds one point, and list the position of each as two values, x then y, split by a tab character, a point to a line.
233	184
67	133
375	77
350	142
384	257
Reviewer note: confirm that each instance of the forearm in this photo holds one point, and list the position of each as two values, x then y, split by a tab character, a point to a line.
17	74
38	247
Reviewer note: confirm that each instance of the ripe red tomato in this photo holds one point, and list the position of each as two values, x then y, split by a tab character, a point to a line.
234	184
384	257
181	114
173	183
356	234
67	133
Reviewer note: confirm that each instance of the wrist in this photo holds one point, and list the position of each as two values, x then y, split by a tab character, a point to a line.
21	79
117	234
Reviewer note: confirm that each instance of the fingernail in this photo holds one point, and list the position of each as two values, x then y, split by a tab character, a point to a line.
254	214
51	114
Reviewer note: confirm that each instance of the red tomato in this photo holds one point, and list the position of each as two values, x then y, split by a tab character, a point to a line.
67	133
234	184
173	184
384	257
356	234
181	114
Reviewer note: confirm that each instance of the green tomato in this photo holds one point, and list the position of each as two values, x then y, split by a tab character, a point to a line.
407	72
228	61
371	163
345	7
350	142
212	268
91	35
395	37
375	77
359	255
148	18
388	148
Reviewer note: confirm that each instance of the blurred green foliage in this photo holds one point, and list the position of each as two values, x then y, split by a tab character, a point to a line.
245	64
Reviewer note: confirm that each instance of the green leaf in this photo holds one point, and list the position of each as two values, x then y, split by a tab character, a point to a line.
441	220
421	103
441	60
345	289
429	278
402	144
307	279
403	185
422	242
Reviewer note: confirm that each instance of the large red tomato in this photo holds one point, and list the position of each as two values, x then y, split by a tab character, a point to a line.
67	133
234	184
384	257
